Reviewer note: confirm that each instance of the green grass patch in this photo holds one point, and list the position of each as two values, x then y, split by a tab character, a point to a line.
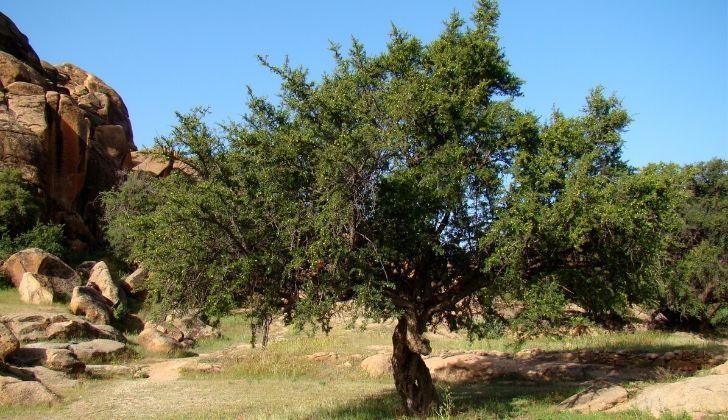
644	341
10	303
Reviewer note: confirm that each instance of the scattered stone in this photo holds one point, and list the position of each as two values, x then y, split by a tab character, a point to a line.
100	278
36	289
193	327
378	365
63	361
328	357
201	367
89	302
107	331
134	282
131	323
99	350
596	398
54	356
154	341
8	342
697	397
171	331
13	391
356	357
36	261
44	327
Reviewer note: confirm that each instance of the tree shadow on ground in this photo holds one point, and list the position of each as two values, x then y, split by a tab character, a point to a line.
496	399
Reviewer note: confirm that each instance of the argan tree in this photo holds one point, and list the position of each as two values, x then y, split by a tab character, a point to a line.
695	286
578	225
405	156
397	181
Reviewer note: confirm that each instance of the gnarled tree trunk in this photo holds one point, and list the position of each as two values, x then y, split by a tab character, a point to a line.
411	376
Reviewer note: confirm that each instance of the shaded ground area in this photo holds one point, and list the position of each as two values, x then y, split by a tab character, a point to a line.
232	380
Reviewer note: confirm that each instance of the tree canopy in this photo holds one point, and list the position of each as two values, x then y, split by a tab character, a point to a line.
407	183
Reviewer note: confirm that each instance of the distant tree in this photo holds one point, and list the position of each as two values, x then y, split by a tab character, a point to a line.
406	183
695	285
21	218
19	208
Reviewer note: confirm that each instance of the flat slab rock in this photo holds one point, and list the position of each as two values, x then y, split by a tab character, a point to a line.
54	356
55	326
55	381
14	391
696	397
99	350
116	371
594	399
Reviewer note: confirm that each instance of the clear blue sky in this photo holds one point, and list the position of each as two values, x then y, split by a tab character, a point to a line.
667	59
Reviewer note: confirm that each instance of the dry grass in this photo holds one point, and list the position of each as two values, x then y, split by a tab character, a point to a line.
10	303
281	383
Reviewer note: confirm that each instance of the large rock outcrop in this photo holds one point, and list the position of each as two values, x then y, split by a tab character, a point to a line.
66	130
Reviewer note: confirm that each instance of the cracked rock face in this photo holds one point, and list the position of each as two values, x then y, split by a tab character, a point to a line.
66	130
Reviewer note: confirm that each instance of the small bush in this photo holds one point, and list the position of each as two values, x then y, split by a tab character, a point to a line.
21	214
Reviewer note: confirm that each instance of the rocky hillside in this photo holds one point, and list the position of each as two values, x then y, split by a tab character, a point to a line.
64	128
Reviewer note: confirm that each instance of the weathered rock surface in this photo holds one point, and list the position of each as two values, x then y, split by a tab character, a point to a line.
84	270
44	327
158	342
134	282
62	360
61	277
88	302
115	371
8	342
54	356
697	397
323	357
36	289
378	365
191	327
720	370
100	278
15	43
594	399
54	380
575	366
66	130
156	166
99	350
14	391
171	331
